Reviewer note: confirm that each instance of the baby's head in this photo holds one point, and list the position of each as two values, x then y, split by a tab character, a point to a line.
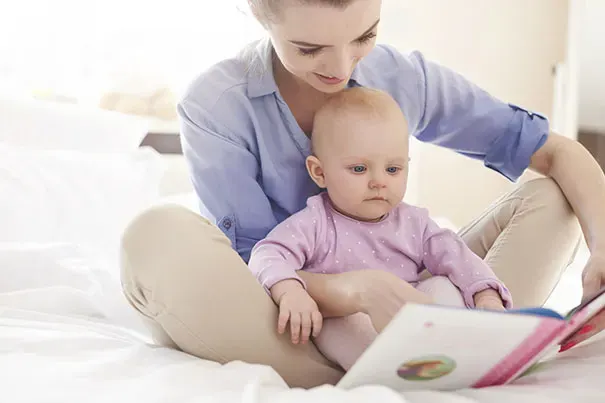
360	152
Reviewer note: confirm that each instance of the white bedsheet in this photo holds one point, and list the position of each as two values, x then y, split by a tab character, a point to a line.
66	335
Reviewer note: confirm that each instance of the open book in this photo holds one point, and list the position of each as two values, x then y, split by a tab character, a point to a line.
445	348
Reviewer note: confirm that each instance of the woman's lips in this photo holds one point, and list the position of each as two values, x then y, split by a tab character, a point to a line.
329	80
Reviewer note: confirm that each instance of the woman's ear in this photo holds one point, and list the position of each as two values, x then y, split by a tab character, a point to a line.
316	171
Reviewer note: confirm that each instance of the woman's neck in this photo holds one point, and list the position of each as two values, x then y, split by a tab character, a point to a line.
302	99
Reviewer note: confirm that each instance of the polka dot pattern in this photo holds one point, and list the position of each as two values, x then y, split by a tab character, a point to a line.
404	242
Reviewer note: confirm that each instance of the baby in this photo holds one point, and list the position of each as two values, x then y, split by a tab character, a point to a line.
360	157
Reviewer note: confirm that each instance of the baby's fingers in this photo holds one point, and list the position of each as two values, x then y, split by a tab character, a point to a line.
295	322
306	325
317	320
282	321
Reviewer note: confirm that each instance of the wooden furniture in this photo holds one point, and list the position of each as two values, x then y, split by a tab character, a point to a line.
594	141
164	143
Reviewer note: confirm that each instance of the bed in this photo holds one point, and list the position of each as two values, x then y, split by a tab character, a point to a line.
70	181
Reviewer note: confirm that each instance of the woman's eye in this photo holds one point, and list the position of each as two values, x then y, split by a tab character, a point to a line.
367	38
308	51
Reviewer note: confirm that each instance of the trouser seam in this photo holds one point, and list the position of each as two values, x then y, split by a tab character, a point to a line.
217	357
488	211
161	311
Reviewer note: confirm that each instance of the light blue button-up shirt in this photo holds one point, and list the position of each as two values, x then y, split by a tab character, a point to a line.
246	152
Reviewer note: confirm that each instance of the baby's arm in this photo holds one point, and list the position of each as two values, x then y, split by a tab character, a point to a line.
286	249
446	254
274	262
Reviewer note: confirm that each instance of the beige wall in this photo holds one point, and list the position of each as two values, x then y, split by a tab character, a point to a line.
506	46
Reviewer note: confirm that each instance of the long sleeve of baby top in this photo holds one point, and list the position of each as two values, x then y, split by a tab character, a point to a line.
289	246
446	254
319	239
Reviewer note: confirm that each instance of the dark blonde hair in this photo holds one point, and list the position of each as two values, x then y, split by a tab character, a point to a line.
268	10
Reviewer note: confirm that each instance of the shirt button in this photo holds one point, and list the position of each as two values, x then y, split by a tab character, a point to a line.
227	223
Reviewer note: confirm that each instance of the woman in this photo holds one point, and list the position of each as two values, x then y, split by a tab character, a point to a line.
245	125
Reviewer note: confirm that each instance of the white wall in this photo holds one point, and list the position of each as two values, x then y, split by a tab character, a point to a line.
508	47
591	113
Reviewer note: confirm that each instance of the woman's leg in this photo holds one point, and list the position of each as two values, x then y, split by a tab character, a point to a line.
181	273
528	237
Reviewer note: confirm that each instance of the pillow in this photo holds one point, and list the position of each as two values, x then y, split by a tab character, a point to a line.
74	197
51	125
64	280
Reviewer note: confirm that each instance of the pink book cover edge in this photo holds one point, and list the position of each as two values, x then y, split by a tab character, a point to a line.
538	340
527	351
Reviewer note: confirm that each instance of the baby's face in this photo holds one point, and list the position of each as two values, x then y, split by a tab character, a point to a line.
365	165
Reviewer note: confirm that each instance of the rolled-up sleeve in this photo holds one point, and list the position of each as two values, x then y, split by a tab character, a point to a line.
446	109
224	176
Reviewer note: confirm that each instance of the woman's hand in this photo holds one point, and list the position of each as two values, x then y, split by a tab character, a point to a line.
377	293
383	294
593	279
593	276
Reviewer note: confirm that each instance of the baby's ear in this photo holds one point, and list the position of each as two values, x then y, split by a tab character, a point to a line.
316	171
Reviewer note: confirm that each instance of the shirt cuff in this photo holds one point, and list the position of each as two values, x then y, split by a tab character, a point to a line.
479	286
511	153
271	279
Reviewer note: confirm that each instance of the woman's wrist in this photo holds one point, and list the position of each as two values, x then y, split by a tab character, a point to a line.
487	294
335	294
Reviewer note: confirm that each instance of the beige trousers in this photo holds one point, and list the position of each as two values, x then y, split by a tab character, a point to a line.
180	272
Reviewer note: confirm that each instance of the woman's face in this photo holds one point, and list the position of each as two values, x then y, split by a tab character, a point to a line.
321	45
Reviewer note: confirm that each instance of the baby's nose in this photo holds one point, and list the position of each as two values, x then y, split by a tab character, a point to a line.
377	184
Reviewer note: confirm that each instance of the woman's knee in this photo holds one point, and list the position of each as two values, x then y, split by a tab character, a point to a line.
159	222
546	195
158	241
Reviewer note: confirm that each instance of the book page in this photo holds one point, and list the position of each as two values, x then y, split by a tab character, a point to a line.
436	347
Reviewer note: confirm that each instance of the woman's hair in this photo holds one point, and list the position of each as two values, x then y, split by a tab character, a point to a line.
268	10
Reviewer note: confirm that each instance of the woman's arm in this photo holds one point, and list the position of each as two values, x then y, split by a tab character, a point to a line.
378	293
583	183
224	175
333	296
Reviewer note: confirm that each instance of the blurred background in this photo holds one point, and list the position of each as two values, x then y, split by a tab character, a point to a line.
136	57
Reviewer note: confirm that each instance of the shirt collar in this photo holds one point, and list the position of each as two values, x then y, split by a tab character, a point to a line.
260	73
358	76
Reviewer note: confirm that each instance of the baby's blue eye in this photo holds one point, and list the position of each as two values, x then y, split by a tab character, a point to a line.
359	169
392	170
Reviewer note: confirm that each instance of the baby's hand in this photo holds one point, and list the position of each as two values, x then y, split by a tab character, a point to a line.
489	299
297	307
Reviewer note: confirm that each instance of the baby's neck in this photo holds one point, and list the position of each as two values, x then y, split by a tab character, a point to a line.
352	216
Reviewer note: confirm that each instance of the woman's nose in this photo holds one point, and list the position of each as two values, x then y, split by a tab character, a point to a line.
341	63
